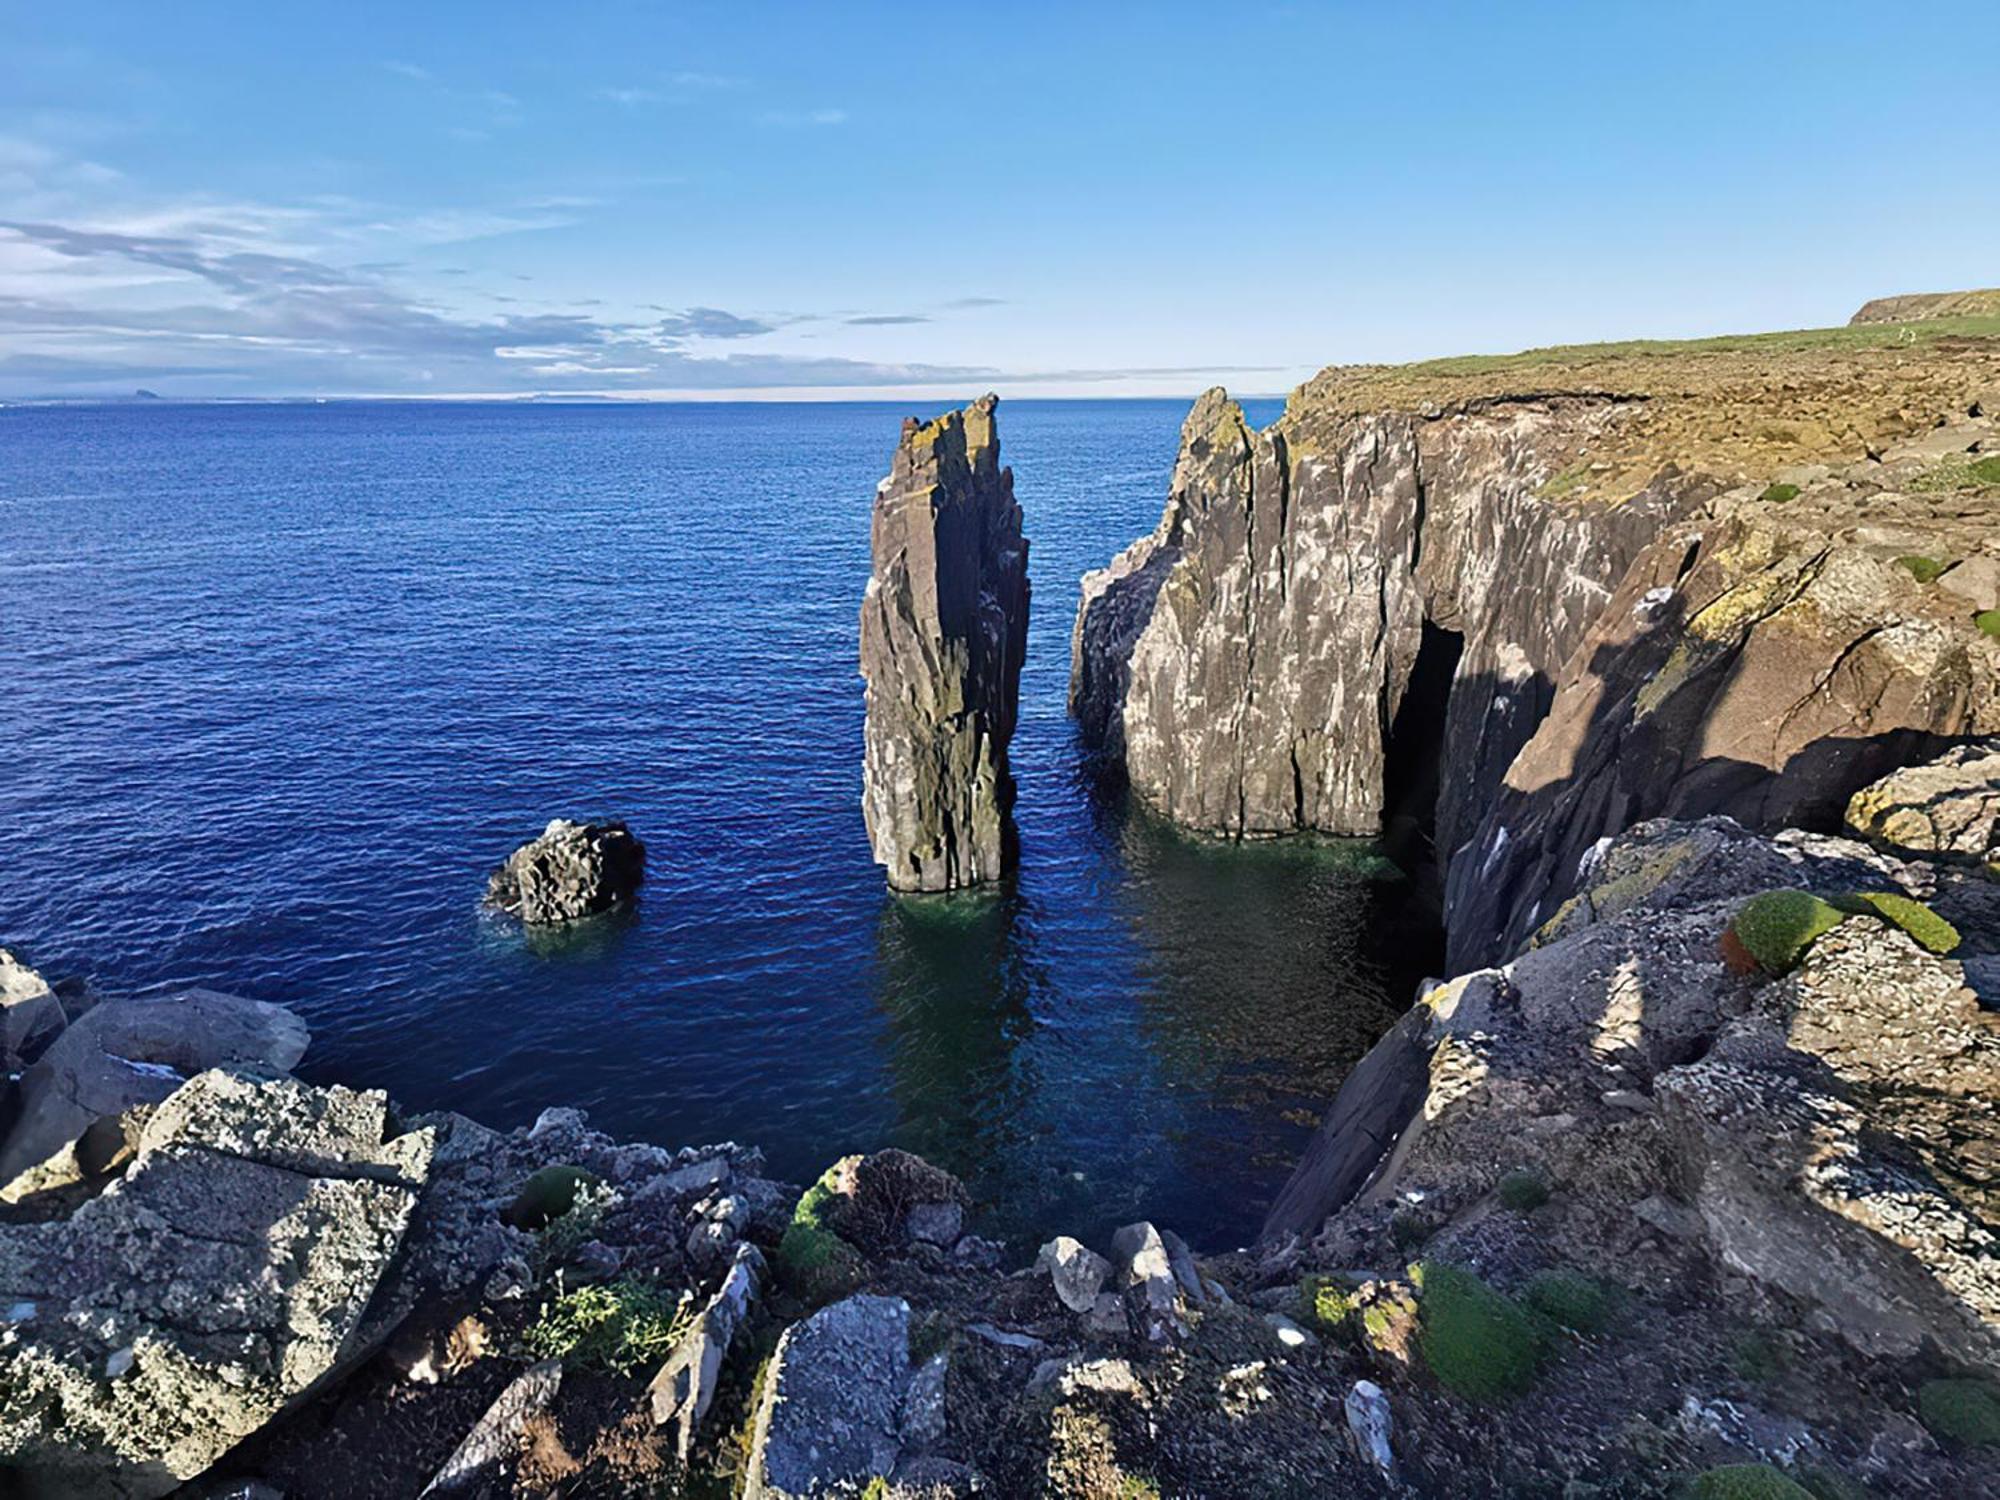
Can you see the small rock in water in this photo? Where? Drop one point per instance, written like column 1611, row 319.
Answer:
column 572, row 870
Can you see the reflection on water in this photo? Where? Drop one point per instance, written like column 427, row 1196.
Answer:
column 1254, row 977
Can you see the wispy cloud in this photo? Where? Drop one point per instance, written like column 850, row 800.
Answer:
column 973, row 302
column 408, row 70
column 885, row 320
column 808, row 119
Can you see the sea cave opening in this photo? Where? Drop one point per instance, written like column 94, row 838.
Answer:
column 1413, row 758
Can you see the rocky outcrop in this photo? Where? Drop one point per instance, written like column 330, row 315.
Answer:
column 1763, row 660
column 31, row 1016
column 178, row 1312
column 571, row 871
column 1948, row 808
column 1826, row 1132
column 125, row 1054
column 1914, row 307
column 1248, row 661
column 944, row 627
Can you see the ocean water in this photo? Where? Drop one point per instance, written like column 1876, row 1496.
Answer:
column 284, row 682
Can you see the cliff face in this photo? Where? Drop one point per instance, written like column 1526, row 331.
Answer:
column 1382, row 598
column 1249, row 659
column 944, row 626
column 1763, row 660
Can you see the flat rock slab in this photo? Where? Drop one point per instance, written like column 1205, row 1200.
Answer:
column 832, row 1410
column 186, row 1306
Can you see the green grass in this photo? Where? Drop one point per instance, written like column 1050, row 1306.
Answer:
column 1925, row 927
column 1478, row 1343
column 1522, row 1190
column 1988, row 621
column 1748, row 1482
column 1854, row 337
column 1778, row 494
column 622, row 1326
column 813, row 1261
column 1986, row 470
column 1777, row 927
column 1966, row 1412
column 1923, row 569
column 1571, row 1300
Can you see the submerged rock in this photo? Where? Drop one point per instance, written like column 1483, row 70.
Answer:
column 944, row 627
column 572, row 870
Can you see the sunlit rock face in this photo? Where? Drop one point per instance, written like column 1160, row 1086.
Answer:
column 944, row 627
column 1249, row 660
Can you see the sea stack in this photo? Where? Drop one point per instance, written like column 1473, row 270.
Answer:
column 944, row 626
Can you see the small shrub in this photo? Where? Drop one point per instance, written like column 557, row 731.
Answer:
column 1777, row 927
column 621, row 1326
column 1409, row 1228
column 1522, row 1190
column 548, row 1195
column 1760, row 1356
column 1923, row 569
column 1965, row 1411
column 1987, row 470
column 1778, row 494
column 1572, row 1300
column 1748, row 1482
column 1925, row 927
column 1325, row 1301
column 1477, row 1342
column 1988, row 621
column 816, row 1264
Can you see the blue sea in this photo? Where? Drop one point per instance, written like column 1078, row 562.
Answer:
column 284, row 682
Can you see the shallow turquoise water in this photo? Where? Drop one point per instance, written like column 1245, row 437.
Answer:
column 284, row 682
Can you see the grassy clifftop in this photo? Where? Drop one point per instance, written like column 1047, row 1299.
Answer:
column 1739, row 406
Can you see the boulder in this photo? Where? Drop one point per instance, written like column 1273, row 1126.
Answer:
column 31, row 1015
column 1946, row 808
column 122, row 1054
column 216, row 1285
column 887, row 1200
column 944, row 627
column 1144, row 1271
column 830, row 1419
column 573, row 870
column 1077, row 1272
column 495, row 1439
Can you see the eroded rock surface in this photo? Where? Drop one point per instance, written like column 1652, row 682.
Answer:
column 571, row 870
column 1764, row 661
column 1949, row 807
column 123, row 1054
column 944, row 627
column 833, row 1402
column 178, row 1312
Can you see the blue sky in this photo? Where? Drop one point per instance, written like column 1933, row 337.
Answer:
column 843, row 199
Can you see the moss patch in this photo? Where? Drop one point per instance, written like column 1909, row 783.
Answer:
column 548, row 1195
column 1777, row 927
column 1748, row 1482
column 1326, row 1300
column 1923, row 569
column 1571, row 1300
column 1988, row 621
column 1478, row 1343
column 1925, row 927
column 1964, row 1411
column 1986, row 470
column 1778, row 494
column 1522, row 1190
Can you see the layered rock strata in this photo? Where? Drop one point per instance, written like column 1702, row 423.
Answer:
column 944, row 627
